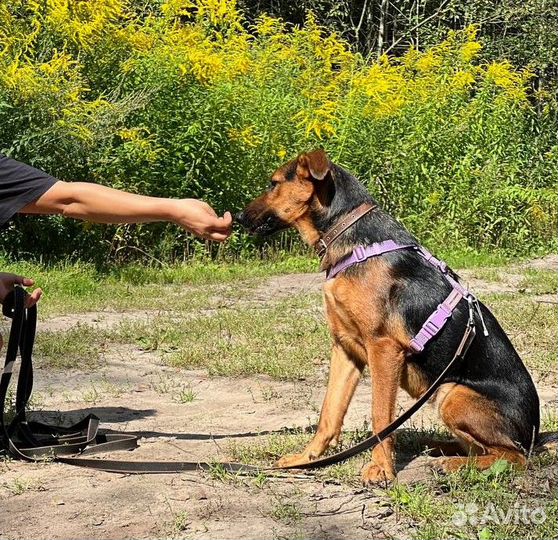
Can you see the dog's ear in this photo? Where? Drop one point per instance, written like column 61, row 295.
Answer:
column 314, row 164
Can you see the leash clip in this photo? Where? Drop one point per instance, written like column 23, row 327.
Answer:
column 475, row 306
column 478, row 308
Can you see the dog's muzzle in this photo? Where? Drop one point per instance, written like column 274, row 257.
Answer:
column 262, row 226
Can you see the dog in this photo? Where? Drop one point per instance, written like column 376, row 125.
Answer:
column 488, row 401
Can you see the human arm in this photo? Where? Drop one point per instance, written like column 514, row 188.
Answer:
column 101, row 204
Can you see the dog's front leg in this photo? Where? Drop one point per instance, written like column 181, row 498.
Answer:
column 344, row 373
column 385, row 361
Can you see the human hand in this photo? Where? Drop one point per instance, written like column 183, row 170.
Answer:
column 7, row 282
column 200, row 219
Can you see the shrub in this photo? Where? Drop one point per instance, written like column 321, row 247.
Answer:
column 184, row 98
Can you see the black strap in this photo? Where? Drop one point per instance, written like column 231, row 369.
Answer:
column 35, row 441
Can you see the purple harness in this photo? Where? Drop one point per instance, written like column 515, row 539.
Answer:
column 443, row 312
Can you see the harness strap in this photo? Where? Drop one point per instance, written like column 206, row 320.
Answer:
column 443, row 312
column 436, row 321
column 362, row 253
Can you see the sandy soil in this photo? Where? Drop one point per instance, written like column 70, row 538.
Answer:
column 135, row 392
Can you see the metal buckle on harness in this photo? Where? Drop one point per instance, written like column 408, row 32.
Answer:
column 475, row 306
column 320, row 247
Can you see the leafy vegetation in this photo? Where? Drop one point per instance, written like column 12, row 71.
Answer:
column 190, row 98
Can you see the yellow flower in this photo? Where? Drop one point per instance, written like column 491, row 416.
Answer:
column 247, row 136
column 469, row 50
column 538, row 213
column 131, row 134
column 462, row 79
column 267, row 26
column 175, row 8
column 428, row 62
column 500, row 73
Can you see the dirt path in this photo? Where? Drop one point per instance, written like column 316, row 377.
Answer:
column 141, row 396
column 134, row 391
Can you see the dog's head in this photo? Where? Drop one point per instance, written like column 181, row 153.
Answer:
column 297, row 191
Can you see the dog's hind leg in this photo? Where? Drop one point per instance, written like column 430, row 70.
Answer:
column 479, row 426
column 344, row 373
column 386, row 360
column 438, row 448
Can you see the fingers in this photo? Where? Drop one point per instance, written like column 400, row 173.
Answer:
column 217, row 237
column 227, row 218
column 33, row 298
column 8, row 282
column 221, row 228
column 13, row 279
column 223, row 224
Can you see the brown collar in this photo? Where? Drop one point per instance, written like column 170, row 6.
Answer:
column 332, row 234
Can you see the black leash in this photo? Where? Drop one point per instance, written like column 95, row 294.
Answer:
column 36, row 441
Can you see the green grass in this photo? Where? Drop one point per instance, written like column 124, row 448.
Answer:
column 19, row 486
column 281, row 340
column 537, row 281
column 77, row 287
column 287, row 512
column 80, row 347
column 481, row 504
column 471, row 258
column 549, row 420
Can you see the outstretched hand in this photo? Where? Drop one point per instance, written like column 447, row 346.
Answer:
column 200, row 219
column 7, row 282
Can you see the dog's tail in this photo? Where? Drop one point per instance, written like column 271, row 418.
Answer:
column 547, row 442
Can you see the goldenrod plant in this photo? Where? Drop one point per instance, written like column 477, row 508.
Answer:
column 187, row 98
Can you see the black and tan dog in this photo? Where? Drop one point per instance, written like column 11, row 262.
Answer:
column 488, row 401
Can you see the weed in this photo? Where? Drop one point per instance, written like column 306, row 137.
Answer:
column 18, row 486
column 80, row 347
column 181, row 521
column 186, row 395
column 286, row 512
column 91, row 395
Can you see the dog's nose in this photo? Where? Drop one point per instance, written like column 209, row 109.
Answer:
column 240, row 217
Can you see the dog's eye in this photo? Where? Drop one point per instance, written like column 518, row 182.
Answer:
column 273, row 184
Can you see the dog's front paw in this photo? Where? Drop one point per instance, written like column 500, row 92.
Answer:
column 373, row 474
column 292, row 460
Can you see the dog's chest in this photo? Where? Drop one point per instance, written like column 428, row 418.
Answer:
column 351, row 313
